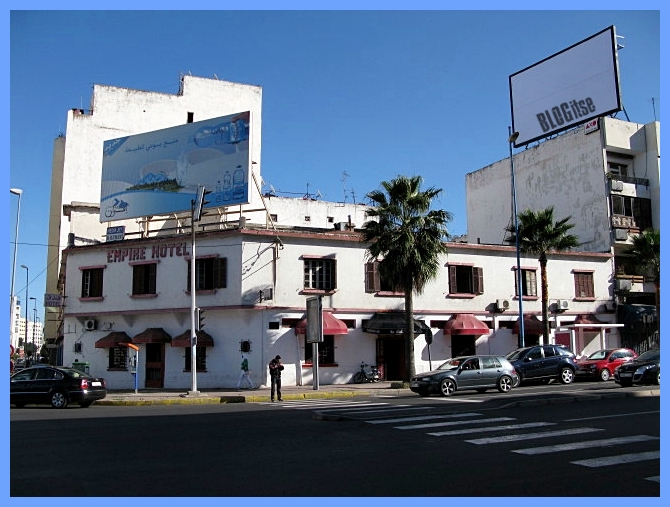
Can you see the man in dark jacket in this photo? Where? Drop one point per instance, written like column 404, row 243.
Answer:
column 275, row 378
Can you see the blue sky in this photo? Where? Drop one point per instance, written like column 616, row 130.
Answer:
column 350, row 98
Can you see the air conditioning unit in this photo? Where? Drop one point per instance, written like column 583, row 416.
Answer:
column 616, row 185
column 502, row 305
column 621, row 234
column 90, row 324
column 562, row 305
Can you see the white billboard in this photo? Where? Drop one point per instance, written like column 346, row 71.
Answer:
column 567, row 89
column 157, row 173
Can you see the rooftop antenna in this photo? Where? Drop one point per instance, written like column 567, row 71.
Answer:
column 345, row 175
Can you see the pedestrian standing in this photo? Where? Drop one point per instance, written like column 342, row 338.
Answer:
column 275, row 378
column 244, row 373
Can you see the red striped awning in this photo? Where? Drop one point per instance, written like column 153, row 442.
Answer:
column 531, row 325
column 114, row 339
column 331, row 325
column 465, row 323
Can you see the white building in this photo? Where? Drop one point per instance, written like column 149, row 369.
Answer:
column 256, row 266
column 254, row 281
column 115, row 112
column 605, row 175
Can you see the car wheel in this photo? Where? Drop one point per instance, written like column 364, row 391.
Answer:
column 657, row 381
column 567, row 375
column 447, row 387
column 358, row 378
column 58, row 399
column 505, row 384
column 604, row 374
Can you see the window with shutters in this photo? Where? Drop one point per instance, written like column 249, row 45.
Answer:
column 91, row 282
column 210, row 273
column 374, row 282
column 465, row 280
column 319, row 274
column 528, row 283
column 584, row 285
column 144, row 279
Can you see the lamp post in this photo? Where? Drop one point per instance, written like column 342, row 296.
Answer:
column 34, row 321
column 37, row 331
column 25, row 329
column 15, row 191
column 513, row 137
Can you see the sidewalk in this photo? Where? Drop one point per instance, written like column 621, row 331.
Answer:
column 232, row 395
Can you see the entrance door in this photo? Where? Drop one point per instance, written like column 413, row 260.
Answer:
column 391, row 357
column 154, row 370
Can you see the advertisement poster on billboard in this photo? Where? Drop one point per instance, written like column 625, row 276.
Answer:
column 158, row 172
column 567, row 89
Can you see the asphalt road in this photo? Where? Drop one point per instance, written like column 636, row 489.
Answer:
column 377, row 447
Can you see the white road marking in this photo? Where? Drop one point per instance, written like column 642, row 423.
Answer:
column 531, row 436
column 487, row 429
column 422, row 418
column 618, row 460
column 453, row 423
column 587, row 444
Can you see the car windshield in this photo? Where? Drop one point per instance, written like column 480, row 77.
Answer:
column 600, row 354
column 515, row 354
column 452, row 364
column 650, row 355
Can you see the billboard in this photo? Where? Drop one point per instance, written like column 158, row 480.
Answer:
column 157, row 173
column 567, row 89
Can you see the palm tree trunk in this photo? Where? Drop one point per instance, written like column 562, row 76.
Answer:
column 409, row 333
column 545, row 299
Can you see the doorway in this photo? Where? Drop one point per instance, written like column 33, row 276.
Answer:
column 155, row 365
column 391, row 357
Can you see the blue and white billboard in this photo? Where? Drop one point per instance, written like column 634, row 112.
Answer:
column 158, row 173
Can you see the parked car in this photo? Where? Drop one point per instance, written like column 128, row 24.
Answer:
column 55, row 386
column 602, row 363
column 644, row 369
column 544, row 363
column 467, row 372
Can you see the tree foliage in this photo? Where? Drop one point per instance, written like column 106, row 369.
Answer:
column 407, row 238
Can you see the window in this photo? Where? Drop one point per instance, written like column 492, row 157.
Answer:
column 465, row 280
column 630, row 211
column 144, row 279
column 491, row 362
column 617, row 169
column 91, row 283
column 210, row 273
column 584, row 284
column 528, row 282
column 118, row 358
column 200, row 358
column 319, row 274
column 326, row 350
column 374, row 282
column 549, row 351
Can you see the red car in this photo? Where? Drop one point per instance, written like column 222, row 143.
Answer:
column 602, row 363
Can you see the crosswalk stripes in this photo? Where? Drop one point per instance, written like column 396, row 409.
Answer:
column 516, row 432
column 588, row 444
column 311, row 404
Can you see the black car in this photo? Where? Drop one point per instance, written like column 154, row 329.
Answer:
column 55, row 386
column 544, row 363
column 467, row 372
column 645, row 369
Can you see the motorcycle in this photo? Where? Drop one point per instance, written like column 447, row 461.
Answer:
column 367, row 373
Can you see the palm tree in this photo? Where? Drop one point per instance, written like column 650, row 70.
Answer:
column 646, row 253
column 538, row 235
column 407, row 238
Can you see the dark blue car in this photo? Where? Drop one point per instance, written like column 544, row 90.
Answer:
column 544, row 363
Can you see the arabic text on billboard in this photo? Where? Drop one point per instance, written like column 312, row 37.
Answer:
column 157, row 173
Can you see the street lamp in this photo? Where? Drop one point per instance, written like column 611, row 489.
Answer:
column 513, row 137
column 15, row 191
column 34, row 320
column 25, row 329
